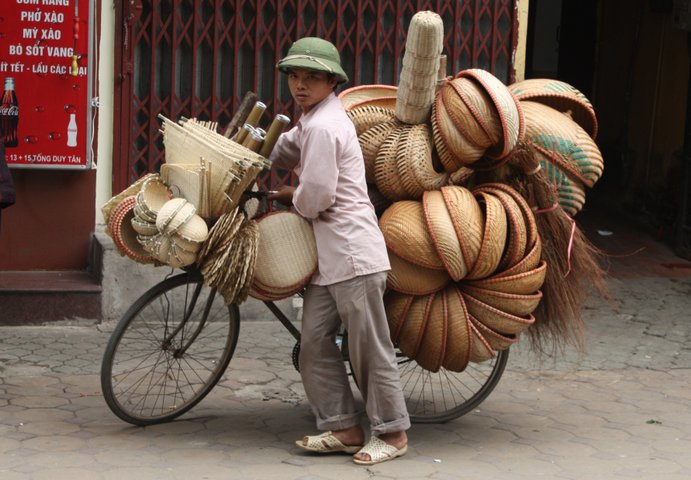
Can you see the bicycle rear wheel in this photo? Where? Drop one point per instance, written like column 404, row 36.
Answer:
column 168, row 351
column 444, row 395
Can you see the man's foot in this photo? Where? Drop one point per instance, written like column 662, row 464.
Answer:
column 348, row 440
column 386, row 446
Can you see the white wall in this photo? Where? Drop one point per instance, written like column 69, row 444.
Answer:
column 104, row 91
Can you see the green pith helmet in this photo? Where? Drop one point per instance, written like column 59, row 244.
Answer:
column 314, row 53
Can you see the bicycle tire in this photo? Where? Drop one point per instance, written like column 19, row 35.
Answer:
column 432, row 400
column 147, row 379
column 445, row 395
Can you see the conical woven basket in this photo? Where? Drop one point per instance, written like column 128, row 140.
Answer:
column 496, row 319
column 468, row 220
column 123, row 234
column 563, row 142
column 508, row 107
column 368, row 95
column 527, row 212
column 174, row 214
column 151, row 197
column 142, row 227
column 432, row 349
column 418, row 79
column 529, row 262
column 515, row 304
column 560, row 96
column 405, row 232
column 385, row 166
column 397, row 306
column 371, row 140
column 473, row 112
column 493, row 237
column 516, row 235
column 414, row 162
column 480, row 350
column 132, row 190
column 521, row 283
column 413, row 328
column 441, row 228
column 448, row 122
column 368, row 116
column 495, row 340
column 411, row 279
column 570, row 192
column 458, row 346
column 447, row 157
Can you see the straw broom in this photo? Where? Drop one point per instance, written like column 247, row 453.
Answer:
column 574, row 263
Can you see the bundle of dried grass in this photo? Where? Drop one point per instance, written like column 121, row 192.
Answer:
column 575, row 264
column 228, row 257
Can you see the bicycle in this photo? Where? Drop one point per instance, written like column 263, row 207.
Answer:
column 174, row 344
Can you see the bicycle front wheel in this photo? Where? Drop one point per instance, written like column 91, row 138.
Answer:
column 168, row 351
column 436, row 397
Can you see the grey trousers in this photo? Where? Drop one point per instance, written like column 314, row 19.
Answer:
column 359, row 305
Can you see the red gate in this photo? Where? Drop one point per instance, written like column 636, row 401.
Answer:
column 197, row 58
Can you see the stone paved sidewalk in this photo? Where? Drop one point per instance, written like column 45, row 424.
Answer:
column 621, row 411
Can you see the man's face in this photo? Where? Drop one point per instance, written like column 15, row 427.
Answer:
column 309, row 87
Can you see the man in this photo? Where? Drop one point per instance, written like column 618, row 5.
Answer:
column 349, row 284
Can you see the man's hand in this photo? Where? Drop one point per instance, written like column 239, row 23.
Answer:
column 283, row 196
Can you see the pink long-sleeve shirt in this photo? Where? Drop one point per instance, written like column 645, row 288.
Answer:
column 324, row 152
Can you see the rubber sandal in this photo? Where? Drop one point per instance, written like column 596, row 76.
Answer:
column 380, row 451
column 326, row 443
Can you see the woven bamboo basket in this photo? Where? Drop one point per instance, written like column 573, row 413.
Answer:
column 560, row 96
column 458, row 346
column 132, row 190
column 368, row 116
column 418, row 79
column 123, row 234
column 415, row 164
column 408, row 278
column 493, row 238
column 562, row 142
column 495, row 340
column 286, row 254
column 468, row 220
column 495, row 319
column 386, row 174
column 473, row 112
column 371, row 140
column 508, row 108
column 413, row 328
column 434, row 340
column 522, row 283
column 441, row 228
column 406, row 235
column 516, row 234
column 481, row 350
column 397, row 306
column 515, row 304
column 453, row 129
column 368, row 95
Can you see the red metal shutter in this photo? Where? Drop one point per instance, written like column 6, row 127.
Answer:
column 197, row 58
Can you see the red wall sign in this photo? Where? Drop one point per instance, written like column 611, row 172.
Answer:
column 45, row 116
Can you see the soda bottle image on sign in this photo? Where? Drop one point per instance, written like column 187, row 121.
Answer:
column 9, row 114
column 72, row 131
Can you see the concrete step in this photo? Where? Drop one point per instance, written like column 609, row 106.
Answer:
column 38, row 297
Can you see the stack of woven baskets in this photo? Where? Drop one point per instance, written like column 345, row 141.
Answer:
column 467, row 265
column 150, row 226
column 561, row 128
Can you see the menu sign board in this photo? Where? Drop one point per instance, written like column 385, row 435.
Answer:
column 45, row 79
